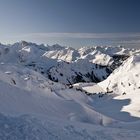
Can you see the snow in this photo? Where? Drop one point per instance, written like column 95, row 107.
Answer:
column 29, row 128
column 33, row 107
column 89, row 87
column 125, row 78
column 124, row 83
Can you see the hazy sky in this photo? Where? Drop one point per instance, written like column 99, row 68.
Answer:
column 71, row 22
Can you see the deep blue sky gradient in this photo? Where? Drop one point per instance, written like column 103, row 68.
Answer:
column 19, row 18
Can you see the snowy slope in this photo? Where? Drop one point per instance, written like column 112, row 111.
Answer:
column 29, row 128
column 125, row 82
column 123, row 86
column 37, row 108
column 125, row 78
column 61, row 53
column 24, row 91
column 33, row 107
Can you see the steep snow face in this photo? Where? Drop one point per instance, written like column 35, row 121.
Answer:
column 98, row 57
column 104, row 55
column 79, row 71
column 65, row 54
column 61, row 53
column 95, row 55
column 125, row 83
column 125, row 79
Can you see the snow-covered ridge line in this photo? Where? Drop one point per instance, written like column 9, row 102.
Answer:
column 108, row 50
column 83, row 64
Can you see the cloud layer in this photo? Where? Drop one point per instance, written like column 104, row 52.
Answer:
column 78, row 39
column 82, row 35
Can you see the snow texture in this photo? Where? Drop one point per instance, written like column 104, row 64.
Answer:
column 33, row 107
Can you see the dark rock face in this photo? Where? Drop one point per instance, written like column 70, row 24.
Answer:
column 96, row 73
column 118, row 60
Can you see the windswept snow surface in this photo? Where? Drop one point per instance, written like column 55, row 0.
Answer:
column 32, row 107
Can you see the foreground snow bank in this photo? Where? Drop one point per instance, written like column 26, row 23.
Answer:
column 29, row 128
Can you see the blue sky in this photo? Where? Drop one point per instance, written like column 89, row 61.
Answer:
column 73, row 23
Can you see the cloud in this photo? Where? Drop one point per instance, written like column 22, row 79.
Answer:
column 135, row 41
column 81, row 35
column 72, row 39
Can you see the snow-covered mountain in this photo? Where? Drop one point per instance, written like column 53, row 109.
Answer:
column 92, row 64
column 37, row 104
column 125, row 82
column 125, row 79
column 79, row 71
